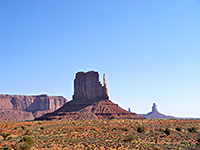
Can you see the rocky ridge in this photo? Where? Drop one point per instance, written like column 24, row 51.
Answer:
column 90, row 101
column 21, row 107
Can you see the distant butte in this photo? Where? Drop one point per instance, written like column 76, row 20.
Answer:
column 154, row 114
column 23, row 107
column 90, row 101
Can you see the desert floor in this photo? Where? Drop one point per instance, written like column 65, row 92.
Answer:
column 103, row 134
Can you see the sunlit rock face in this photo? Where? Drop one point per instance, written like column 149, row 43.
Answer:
column 87, row 86
column 22, row 107
column 90, row 101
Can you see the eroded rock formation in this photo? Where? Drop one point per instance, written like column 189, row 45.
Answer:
column 90, row 101
column 154, row 114
column 19, row 107
column 87, row 86
column 154, row 108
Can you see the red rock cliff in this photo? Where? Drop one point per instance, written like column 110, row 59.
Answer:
column 19, row 107
column 87, row 86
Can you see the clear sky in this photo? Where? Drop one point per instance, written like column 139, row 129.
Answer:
column 148, row 49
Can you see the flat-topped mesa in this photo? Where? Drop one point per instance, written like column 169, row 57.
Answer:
column 88, row 87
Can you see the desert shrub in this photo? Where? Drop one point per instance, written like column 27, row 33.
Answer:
column 114, row 129
column 23, row 127
column 26, row 143
column 128, row 138
column 15, row 128
column 23, row 146
column 192, row 130
column 125, row 129
column 28, row 132
column 28, row 140
column 7, row 148
column 183, row 142
column 41, row 128
column 140, row 129
column 5, row 135
column 178, row 129
column 161, row 130
column 167, row 131
column 198, row 142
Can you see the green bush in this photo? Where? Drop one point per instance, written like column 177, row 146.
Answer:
column 178, row 129
column 128, row 138
column 125, row 129
column 161, row 130
column 26, row 143
column 198, row 142
column 192, row 130
column 114, row 129
column 5, row 135
column 167, row 131
column 23, row 127
column 7, row 148
column 140, row 129
column 23, row 146
column 183, row 142
column 28, row 132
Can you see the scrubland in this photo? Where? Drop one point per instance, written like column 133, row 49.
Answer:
column 152, row 134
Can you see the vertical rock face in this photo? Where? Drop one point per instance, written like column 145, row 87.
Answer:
column 20, row 107
column 88, row 87
column 154, row 108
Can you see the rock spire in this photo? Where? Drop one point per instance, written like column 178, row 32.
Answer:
column 154, row 108
column 154, row 114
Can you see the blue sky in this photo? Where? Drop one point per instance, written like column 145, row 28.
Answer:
column 148, row 49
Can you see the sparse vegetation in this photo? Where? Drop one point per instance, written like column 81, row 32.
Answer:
column 23, row 127
column 28, row 132
column 7, row 148
column 26, row 143
column 178, row 129
column 128, row 138
column 167, row 131
column 192, row 130
column 140, row 129
column 101, row 134
column 5, row 135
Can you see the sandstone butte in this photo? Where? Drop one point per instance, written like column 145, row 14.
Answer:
column 90, row 101
column 21, row 108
